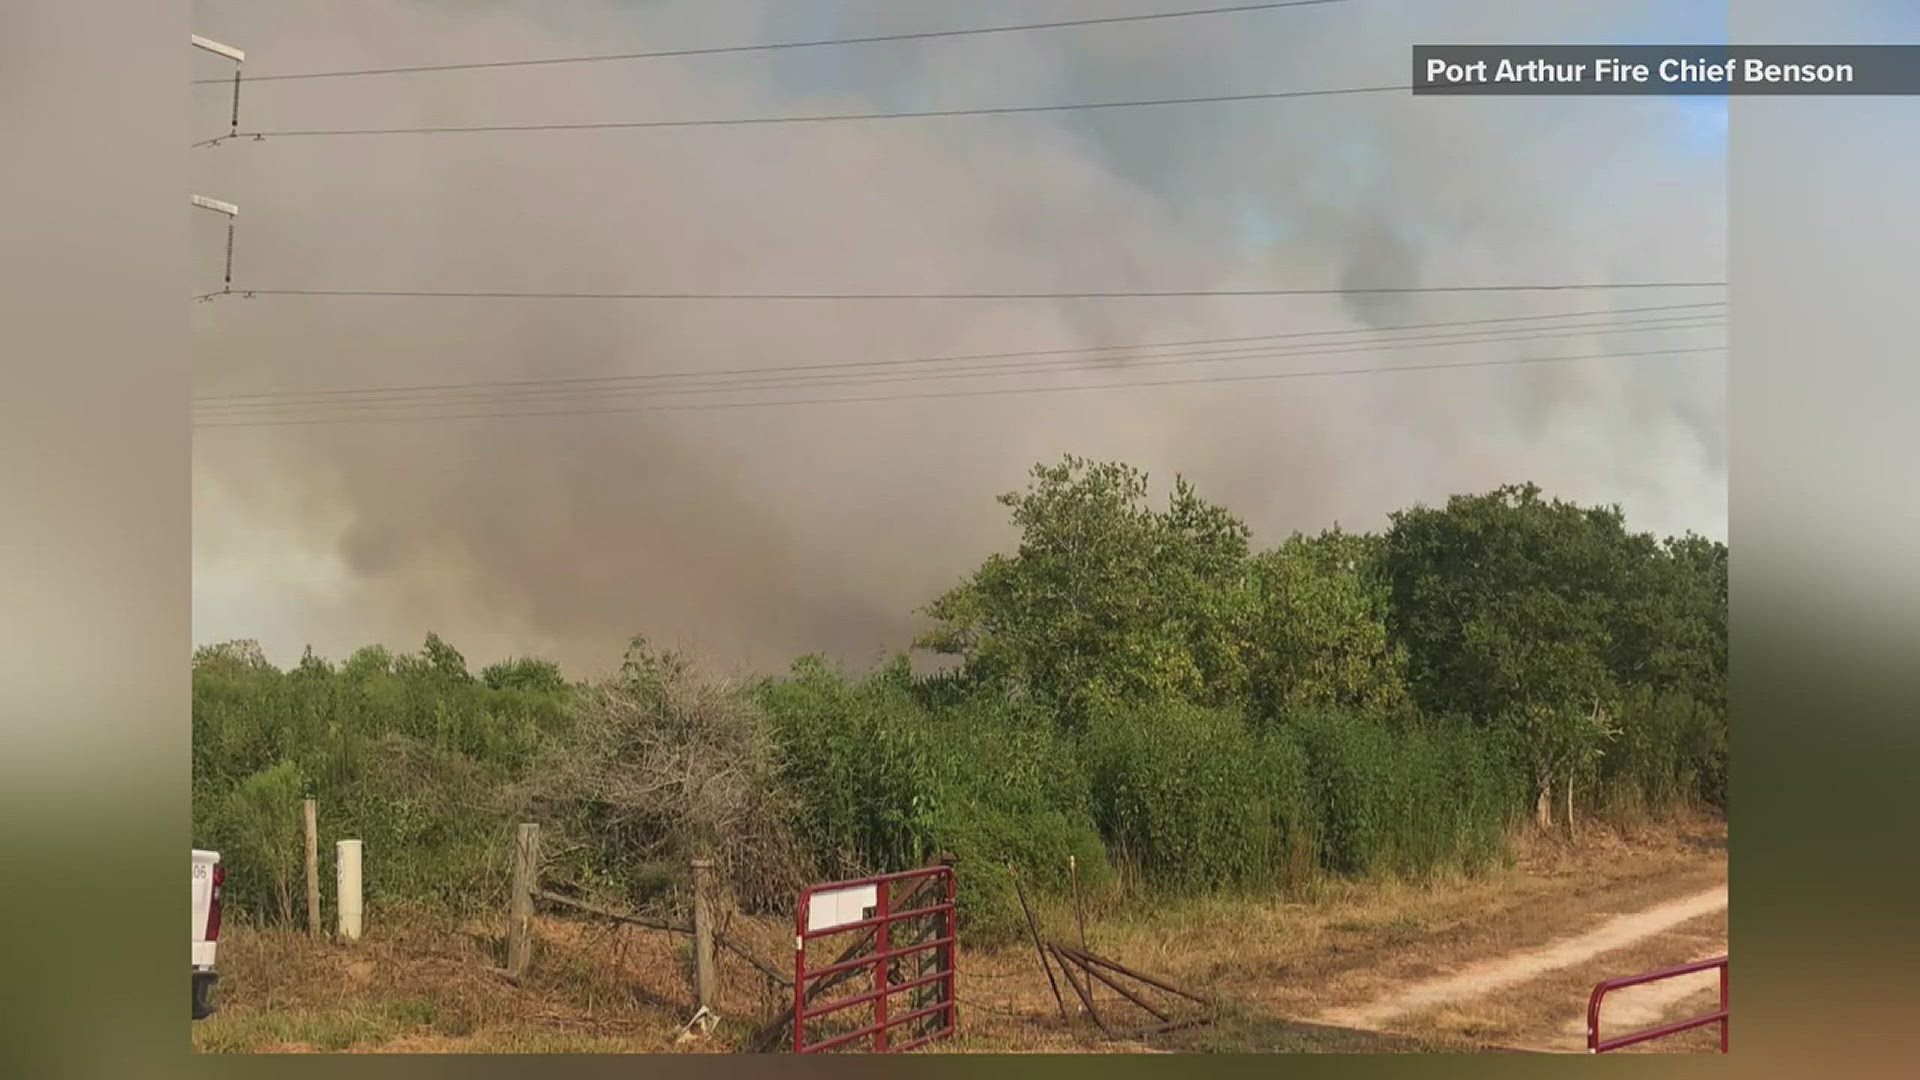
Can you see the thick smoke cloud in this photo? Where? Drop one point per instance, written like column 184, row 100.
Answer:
column 756, row 534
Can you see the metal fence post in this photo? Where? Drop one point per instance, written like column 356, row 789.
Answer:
column 1723, row 1008
column 882, row 951
column 800, row 973
column 943, row 957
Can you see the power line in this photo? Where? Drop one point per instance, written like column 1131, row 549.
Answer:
column 589, row 380
column 819, row 118
column 1065, row 365
column 924, row 35
column 712, row 406
column 1117, row 294
column 566, row 395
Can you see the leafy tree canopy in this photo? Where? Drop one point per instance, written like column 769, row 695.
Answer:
column 1107, row 599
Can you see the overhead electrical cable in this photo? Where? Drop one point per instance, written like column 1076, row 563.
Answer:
column 775, row 369
column 1115, row 294
column 815, row 118
column 991, row 392
column 871, row 39
column 590, row 380
column 1071, row 364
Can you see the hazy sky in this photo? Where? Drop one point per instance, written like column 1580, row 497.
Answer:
column 756, row 533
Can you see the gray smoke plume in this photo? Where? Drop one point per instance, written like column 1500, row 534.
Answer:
column 755, row 534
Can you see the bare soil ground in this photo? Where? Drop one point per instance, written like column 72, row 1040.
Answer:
column 1548, row 1012
column 1352, row 967
column 1486, row 976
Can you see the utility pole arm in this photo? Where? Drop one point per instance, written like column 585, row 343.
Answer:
column 216, row 206
column 228, row 51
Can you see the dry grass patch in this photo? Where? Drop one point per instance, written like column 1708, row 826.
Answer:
column 1271, row 962
column 417, row 984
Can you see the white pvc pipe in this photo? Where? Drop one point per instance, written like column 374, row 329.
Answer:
column 349, row 900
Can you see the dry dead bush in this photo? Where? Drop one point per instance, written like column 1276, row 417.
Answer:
column 667, row 763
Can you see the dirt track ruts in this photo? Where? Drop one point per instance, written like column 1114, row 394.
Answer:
column 1489, row 975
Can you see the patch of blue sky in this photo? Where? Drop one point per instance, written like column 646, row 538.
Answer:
column 1259, row 229
column 1260, row 225
column 1697, row 123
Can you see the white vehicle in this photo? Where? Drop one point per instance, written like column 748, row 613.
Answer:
column 208, row 875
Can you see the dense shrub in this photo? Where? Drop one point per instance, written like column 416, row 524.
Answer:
column 985, row 841
column 1670, row 749
column 258, row 821
column 1406, row 798
column 882, row 783
column 408, row 753
column 434, row 826
column 858, row 757
column 1186, row 796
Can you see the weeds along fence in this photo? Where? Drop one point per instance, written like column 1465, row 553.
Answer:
column 818, row 774
column 707, row 933
column 703, row 929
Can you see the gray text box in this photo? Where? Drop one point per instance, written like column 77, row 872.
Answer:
column 1666, row 69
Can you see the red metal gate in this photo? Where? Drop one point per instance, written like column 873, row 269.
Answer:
column 1597, row 1045
column 916, row 905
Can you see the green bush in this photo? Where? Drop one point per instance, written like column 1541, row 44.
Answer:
column 858, row 756
column 434, row 828
column 1187, row 796
column 984, row 841
column 258, row 830
column 1407, row 798
column 884, row 784
column 1671, row 750
column 409, row 754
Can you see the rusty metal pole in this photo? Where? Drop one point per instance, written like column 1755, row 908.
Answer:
column 1086, row 995
column 1723, row 1008
column 943, row 957
column 799, row 1020
column 883, row 955
column 1040, row 950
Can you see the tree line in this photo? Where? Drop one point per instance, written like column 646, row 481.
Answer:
column 1134, row 685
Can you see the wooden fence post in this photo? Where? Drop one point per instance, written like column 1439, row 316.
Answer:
column 526, row 880
column 1079, row 910
column 311, row 814
column 703, row 966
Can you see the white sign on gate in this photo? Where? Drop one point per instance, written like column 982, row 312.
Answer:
column 838, row 907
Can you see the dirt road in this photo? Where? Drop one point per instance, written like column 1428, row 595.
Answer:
column 1490, row 975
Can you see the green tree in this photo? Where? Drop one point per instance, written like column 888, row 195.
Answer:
column 439, row 660
column 1318, row 630
column 1106, row 600
column 1670, row 647
column 1507, row 605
